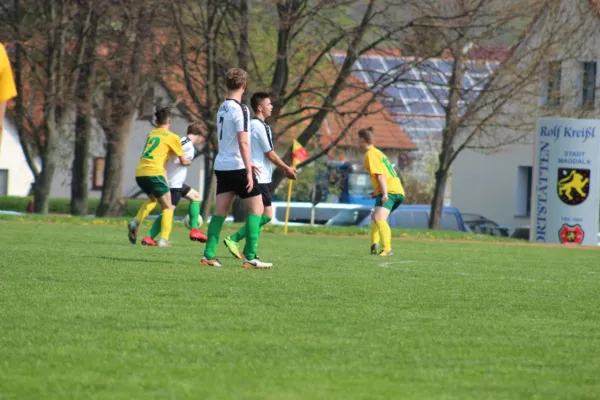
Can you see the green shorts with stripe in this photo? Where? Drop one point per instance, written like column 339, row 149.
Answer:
column 156, row 186
column 394, row 201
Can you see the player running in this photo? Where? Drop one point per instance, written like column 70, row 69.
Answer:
column 150, row 175
column 262, row 154
column 234, row 173
column 176, row 173
column 389, row 193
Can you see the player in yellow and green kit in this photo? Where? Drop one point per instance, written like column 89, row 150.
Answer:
column 388, row 191
column 150, row 175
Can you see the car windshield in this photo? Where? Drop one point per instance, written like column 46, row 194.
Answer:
column 359, row 183
column 348, row 217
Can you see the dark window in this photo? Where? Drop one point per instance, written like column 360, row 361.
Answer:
column 589, row 84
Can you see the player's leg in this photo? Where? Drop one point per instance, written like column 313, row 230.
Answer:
column 375, row 238
column 224, row 202
column 163, row 195
column 254, row 204
column 145, row 184
column 380, row 215
column 232, row 242
column 193, row 212
column 155, row 230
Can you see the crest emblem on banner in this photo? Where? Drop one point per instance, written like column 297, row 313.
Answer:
column 571, row 234
column 573, row 185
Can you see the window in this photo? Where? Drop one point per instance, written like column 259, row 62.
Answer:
column 410, row 219
column 449, row 222
column 589, row 85
column 553, row 82
column 98, row 173
column 3, row 182
column 523, row 191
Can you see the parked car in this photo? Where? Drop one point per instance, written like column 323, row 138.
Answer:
column 350, row 217
column 416, row 216
column 480, row 224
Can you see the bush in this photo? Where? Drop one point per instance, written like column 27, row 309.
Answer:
column 62, row 206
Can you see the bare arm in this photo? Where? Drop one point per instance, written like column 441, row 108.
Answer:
column 382, row 187
column 244, row 143
column 274, row 158
column 185, row 161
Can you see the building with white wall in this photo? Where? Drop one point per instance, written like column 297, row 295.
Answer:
column 15, row 175
column 497, row 183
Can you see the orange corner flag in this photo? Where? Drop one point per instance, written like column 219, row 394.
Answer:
column 299, row 153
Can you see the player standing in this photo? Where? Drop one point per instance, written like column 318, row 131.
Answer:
column 234, row 173
column 389, row 193
column 176, row 173
column 262, row 154
column 150, row 175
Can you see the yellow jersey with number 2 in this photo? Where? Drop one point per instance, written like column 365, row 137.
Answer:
column 160, row 144
column 376, row 163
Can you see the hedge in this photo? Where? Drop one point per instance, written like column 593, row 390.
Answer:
column 62, row 206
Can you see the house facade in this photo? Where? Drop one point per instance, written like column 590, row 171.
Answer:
column 15, row 175
column 498, row 184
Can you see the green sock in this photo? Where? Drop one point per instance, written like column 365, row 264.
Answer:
column 253, row 229
column 241, row 233
column 214, row 230
column 155, row 230
column 194, row 211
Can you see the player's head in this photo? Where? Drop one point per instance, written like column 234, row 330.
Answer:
column 366, row 136
column 163, row 115
column 261, row 103
column 235, row 79
column 195, row 131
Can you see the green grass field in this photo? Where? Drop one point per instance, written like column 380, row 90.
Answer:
column 86, row 315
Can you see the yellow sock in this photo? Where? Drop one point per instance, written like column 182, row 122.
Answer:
column 144, row 211
column 374, row 233
column 166, row 224
column 386, row 235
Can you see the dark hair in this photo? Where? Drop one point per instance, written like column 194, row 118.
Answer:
column 235, row 78
column 367, row 134
column 195, row 128
column 257, row 98
column 162, row 115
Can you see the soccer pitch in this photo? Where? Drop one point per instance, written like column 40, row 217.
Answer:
column 84, row 314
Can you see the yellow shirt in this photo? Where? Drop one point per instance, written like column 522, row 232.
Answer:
column 160, row 144
column 376, row 163
column 7, row 83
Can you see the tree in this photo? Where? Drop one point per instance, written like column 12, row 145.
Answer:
column 48, row 51
column 91, row 12
column 132, row 49
column 484, row 115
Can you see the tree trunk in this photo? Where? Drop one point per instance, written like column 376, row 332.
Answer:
column 42, row 187
column 437, row 204
column 83, row 126
column 448, row 134
column 111, row 202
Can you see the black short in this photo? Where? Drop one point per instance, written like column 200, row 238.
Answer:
column 265, row 192
column 235, row 181
column 178, row 193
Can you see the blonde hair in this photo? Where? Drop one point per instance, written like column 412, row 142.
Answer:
column 235, row 78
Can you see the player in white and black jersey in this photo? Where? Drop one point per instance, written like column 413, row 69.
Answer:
column 176, row 174
column 234, row 173
column 263, row 154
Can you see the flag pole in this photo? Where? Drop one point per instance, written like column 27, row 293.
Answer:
column 287, row 210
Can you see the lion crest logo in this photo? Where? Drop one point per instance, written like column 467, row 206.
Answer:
column 573, row 185
column 571, row 234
